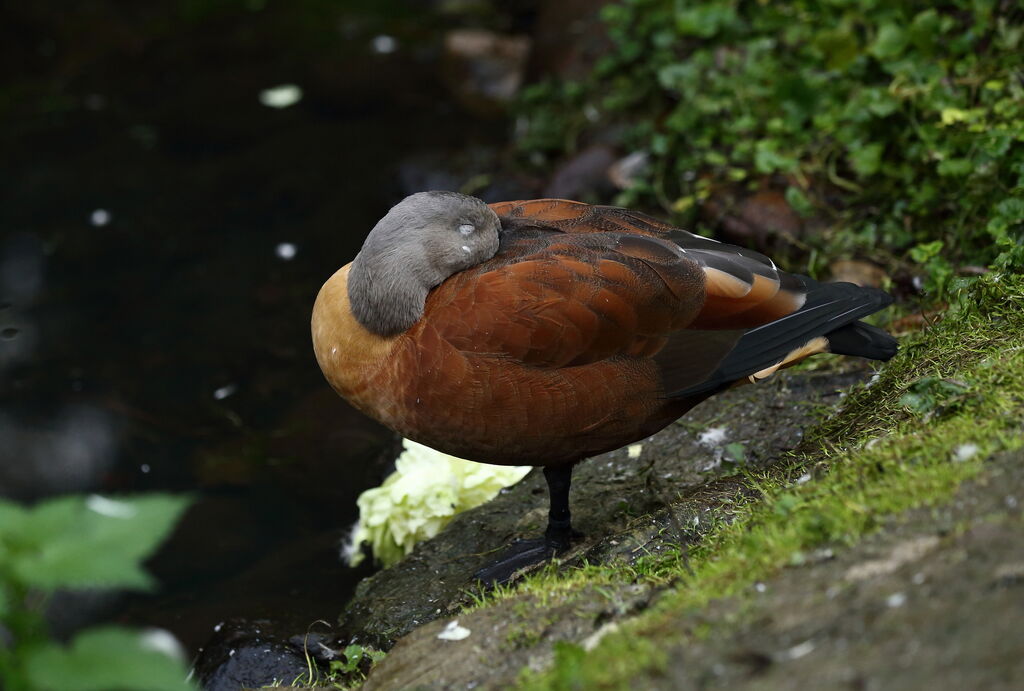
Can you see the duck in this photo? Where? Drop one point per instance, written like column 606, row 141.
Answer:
column 544, row 332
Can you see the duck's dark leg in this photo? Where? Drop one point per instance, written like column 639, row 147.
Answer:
column 557, row 536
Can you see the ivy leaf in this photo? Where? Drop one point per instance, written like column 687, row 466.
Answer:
column 1011, row 209
column 925, row 30
column 767, row 158
column 867, row 159
column 956, row 167
column 705, row 20
column 878, row 101
column 78, row 542
column 799, row 201
column 737, row 452
column 929, row 393
column 105, row 659
column 889, row 42
column 926, row 251
column 839, row 46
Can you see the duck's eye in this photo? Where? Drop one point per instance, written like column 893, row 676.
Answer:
column 467, row 228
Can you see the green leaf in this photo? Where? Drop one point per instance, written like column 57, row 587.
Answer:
column 866, row 160
column 925, row 251
column 105, row 659
column 928, row 393
column 1011, row 209
column 767, row 159
column 889, row 42
column 798, row 201
column 878, row 102
column 737, row 452
column 956, row 167
column 11, row 517
column 353, row 656
column 93, row 541
column 925, row 30
column 839, row 46
column 705, row 20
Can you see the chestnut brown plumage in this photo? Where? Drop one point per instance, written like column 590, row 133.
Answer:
column 544, row 332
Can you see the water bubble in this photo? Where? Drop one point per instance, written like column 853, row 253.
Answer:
column 95, row 102
column 144, row 468
column 286, row 251
column 384, row 44
column 99, row 218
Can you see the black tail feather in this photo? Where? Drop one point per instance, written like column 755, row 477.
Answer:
column 831, row 310
column 862, row 340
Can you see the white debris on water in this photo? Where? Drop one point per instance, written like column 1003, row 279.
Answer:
column 99, row 218
column 162, row 641
column 634, row 450
column 281, row 96
column 384, row 44
column 223, row 392
column 286, row 251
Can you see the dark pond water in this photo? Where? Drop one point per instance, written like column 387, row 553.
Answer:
column 162, row 237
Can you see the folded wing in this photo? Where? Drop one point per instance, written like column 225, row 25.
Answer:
column 574, row 284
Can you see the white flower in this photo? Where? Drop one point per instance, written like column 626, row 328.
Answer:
column 427, row 489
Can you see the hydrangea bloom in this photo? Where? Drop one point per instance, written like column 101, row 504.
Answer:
column 427, row 489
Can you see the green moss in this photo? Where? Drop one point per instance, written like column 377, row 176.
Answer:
column 882, row 454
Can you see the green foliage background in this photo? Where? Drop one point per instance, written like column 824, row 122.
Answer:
column 900, row 123
column 75, row 543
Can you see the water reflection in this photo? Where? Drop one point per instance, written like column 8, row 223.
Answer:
column 22, row 268
column 22, row 271
column 170, row 234
column 70, row 453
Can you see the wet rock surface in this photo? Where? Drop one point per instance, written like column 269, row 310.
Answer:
column 501, row 640
column 619, row 502
column 929, row 602
column 926, row 602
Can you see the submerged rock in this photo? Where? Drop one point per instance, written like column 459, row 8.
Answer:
column 249, row 654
